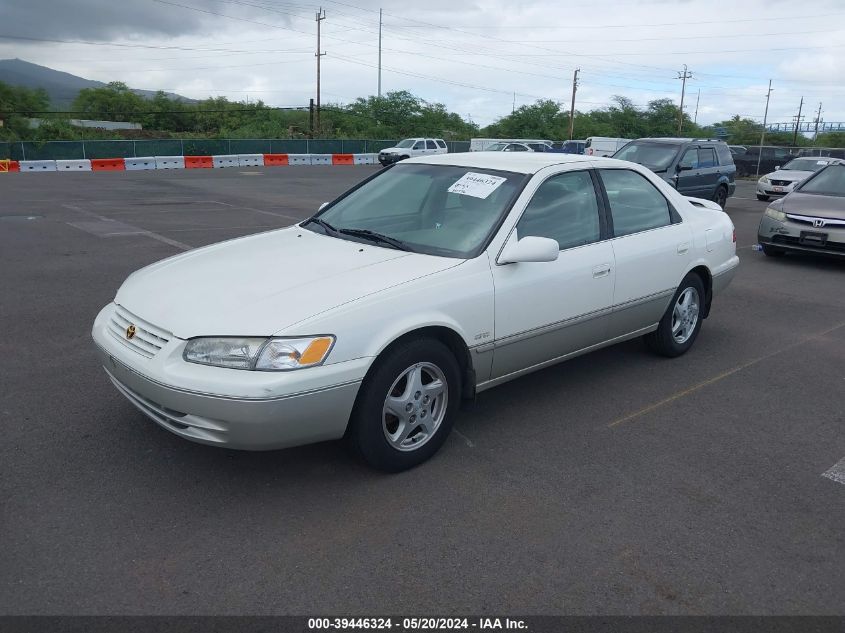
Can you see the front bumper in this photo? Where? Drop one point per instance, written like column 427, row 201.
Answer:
column 793, row 236
column 388, row 159
column 768, row 189
column 286, row 410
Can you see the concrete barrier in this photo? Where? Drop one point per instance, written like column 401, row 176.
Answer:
column 321, row 159
column 364, row 159
column 275, row 160
column 228, row 160
column 142, row 162
column 107, row 164
column 343, row 159
column 73, row 165
column 170, row 162
column 37, row 165
column 251, row 160
column 299, row 159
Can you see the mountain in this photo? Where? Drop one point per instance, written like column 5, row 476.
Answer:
column 62, row 87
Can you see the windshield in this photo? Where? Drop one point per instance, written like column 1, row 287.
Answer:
column 806, row 164
column 830, row 181
column 655, row 156
column 497, row 147
column 408, row 142
column 433, row 209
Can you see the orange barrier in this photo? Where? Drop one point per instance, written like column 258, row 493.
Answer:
column 14, row 165
column 199, row 162
column 4, row 165
column 274, row 160
column 343, row 159
column 107, row 164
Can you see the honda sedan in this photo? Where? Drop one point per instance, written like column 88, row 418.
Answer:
column 429, row 282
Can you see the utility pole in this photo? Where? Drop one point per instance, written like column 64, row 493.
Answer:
column 513, row 107
column 763, row 134
column 379, row 53
column 572, row 107
column 321, row 15
column 797, row 123
column 697, row 99
column 818, row 120
column 683, row 76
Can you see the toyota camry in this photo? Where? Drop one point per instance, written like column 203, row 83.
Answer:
column 427, row 283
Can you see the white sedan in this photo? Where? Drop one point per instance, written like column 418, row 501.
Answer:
column 429, row 282
column 784, row 179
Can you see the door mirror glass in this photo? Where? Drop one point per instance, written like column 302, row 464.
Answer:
column 530, row 249
column 777, row 167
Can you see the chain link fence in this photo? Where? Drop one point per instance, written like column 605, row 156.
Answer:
column 70, row 150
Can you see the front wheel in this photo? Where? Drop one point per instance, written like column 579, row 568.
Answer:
column 406, row 406
column 681, row 322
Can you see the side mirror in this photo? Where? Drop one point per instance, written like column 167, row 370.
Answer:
column 322, row 206
column 530, row 249
column 684, row 167
column 777, row 167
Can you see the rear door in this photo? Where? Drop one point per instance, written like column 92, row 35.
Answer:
column 430, row 146
column 708, row 166
column 651, row 247
column 545, row 310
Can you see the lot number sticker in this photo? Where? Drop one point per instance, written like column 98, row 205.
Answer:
column 476, row 185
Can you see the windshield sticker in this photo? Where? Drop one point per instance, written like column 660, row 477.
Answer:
column 821, row 162
column 476, row 185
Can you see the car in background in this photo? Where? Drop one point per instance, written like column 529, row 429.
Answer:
column 769, row 158
column 810, row 219
column 699, row 168
column 738, row 150
column 481, row 144
column 573, row 147
column 603, row 145
column 432, row 280
column 784, row 179
column 410, row 148
column 508, row 147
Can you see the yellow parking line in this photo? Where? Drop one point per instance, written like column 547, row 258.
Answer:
column 719, row 377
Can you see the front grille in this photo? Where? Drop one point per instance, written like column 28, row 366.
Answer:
column 805, row 219
column 147, row 340
column 781, row 183
column 789, row 240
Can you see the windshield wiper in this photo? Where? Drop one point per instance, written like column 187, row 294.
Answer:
column 376, row 237
column 328, row 228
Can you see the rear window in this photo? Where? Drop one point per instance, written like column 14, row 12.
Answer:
column 441, row 144
column 724, row 154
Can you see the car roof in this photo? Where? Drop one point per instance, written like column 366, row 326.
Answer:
column 519, row 162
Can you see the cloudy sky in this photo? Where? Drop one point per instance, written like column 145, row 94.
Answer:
column 478, row 57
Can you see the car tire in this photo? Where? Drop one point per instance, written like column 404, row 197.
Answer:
column 720, row 197
column 762, row 198
column 773, row 251
column 388, row 441
column 681, row 322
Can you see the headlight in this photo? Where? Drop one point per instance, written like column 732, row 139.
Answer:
column 764, row 180
column 261, row 354
column 780, row 216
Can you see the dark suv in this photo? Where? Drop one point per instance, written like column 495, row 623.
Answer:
column 701, row 168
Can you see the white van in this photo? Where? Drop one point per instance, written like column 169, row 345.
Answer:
column 604, row 145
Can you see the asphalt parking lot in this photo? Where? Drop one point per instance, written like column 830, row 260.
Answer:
column 616, row 483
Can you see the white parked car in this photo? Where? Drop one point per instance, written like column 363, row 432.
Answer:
column 427, row 283
column 604, row 145
column 483, row 144
column 508, row 147
column 784, row 179
column 411, row 148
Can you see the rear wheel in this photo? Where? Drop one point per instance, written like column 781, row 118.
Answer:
column 406, row 406
column 762, row 197
column 721, row 196
column 681, row 322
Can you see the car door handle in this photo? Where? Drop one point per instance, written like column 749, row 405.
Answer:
column 602, row 270
column 683, row 247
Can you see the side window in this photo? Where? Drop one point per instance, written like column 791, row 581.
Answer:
column 441, row 144
column 429, row 144
column 706, row 157
column 419, row 145
column 689, row 159
column 635, row 204
column 565, row 209
column 725, row 155
column 516, row 147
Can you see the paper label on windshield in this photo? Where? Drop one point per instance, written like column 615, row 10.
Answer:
column 476, row 185
column 821, row 162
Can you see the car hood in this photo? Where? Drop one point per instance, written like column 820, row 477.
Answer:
column 832, row 207
column 395, row 150
column 789, row 174
column 262, row 284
